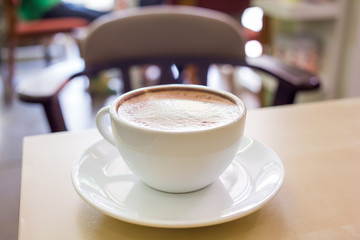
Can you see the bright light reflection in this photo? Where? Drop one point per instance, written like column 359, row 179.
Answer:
column 253, row 48
column 152, row 72
column 249, row 79
column 214, row 77
column 252, row 18
column 269, row 181
column 246, row 143
column 175, row 71
column 103, row 5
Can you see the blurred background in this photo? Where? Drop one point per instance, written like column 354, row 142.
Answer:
column 320, row 36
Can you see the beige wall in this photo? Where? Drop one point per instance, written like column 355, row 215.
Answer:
column 349, row 82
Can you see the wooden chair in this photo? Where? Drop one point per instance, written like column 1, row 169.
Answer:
column 44, row 30
column 164, row 36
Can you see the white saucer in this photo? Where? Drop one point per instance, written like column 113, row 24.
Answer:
column 103, row 180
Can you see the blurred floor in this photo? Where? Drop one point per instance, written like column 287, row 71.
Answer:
column 16, row 121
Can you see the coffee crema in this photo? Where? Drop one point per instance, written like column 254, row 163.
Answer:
column 178, row 110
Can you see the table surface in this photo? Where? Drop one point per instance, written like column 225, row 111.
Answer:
column 319, row 144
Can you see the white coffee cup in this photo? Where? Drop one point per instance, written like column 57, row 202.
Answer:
column 179, row 158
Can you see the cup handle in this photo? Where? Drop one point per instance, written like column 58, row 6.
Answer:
column 103, row 126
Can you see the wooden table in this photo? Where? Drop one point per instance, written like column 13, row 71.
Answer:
column 319, row 144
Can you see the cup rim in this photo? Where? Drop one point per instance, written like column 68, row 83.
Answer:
column 235, row 99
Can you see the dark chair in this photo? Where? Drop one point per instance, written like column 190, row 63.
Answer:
column 162, row 36
column 43, row 29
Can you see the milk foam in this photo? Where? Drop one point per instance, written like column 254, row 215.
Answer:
column 178, row 110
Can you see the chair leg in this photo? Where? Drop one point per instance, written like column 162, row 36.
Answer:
column 7, row 86
column 203, row 73
column 10, row 18
column 285, row 94
column 167, row 76
column 47, row 55
column 125, row 71
column 47, row 52
column 8, row 81
column 54, row 114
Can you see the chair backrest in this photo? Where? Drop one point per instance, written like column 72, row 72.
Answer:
column 163, row 35
column 163, row 31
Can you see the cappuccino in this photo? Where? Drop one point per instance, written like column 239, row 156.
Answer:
column 175, row 138
column 171, row 109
